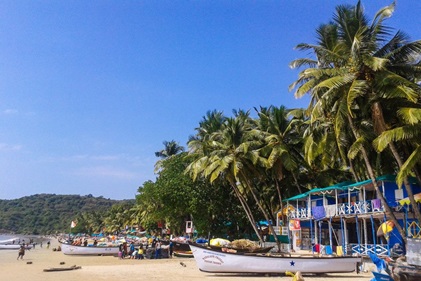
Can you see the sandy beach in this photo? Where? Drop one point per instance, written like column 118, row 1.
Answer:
column 111, row 268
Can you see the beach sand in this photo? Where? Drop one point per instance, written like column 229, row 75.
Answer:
column 111, row 268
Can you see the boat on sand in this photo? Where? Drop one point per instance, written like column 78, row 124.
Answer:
column 14, row 247
column 69, row 249
column 210, row 260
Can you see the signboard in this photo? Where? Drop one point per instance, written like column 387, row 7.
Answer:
column 294, row 225
column 189, row 227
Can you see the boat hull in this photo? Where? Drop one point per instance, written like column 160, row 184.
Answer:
column 68, row 249
column 221, row 262
column 14, row 247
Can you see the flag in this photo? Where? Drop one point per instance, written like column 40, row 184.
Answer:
column 73, row 224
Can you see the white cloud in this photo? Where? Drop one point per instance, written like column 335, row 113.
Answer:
column 10, row 147
column 10, row 111
column 106, row 172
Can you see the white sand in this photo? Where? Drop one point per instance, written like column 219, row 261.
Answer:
column 112, row 269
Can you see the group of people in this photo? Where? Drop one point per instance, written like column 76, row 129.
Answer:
column 23, row 247
column 83, row 242
column 131, row 252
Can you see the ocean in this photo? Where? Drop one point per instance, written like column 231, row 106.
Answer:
column 36, row 238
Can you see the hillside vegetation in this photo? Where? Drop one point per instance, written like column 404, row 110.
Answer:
column 47, row 213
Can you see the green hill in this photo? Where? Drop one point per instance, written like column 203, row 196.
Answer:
column 47, row 213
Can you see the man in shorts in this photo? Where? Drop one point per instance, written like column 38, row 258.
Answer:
column 21, row 252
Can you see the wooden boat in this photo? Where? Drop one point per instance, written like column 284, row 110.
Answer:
column 209, row 260
column 52, row 269
column 187, row 254
column 14, row 247
column 242, row 250
column 69, row 249
column 9, row 241
column 181, row 247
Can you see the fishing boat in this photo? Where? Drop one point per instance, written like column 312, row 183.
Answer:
column 69, row 249
column 14, row 247
column 242, row 250
column 9, row 241
column 181, row 247
column 210, row 260
column 187, row 254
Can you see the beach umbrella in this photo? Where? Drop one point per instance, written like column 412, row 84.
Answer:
column 385, row 228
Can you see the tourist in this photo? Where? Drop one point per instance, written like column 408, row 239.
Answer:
column 48, row 244
column 21, row 252
column 171, row 248
column 158, row 249
column 120, row 252
column 140, row 252
column 132, row 249
column 134, row 255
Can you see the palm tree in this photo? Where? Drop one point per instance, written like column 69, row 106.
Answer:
column 170, row 148
column 216, row 157
column 353, row 68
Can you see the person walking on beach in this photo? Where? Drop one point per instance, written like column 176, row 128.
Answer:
column 21, row 252
column 48, row 244
column 158, row 249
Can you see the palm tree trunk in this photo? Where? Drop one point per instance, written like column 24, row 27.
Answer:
column 272, row 230
column 246, row 209
column 388, row 210
column 280, row 199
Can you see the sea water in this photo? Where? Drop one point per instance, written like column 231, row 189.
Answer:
column 23, row 238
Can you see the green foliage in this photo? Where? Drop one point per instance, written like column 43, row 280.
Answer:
column 48, row 213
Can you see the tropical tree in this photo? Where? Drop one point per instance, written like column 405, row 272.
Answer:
column 352, row 75
column 171, row 148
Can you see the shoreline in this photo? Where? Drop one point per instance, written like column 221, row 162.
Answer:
column 109, row 268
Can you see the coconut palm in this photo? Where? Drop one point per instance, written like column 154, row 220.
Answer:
column 354, row 66
column 217, row 157
column 170, row 148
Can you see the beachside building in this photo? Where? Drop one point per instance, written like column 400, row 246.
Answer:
column 347, row 218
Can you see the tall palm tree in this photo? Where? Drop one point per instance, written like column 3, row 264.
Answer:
column 352, row 67
column 170, row 148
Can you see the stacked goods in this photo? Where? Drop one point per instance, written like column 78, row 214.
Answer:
column 244, row 244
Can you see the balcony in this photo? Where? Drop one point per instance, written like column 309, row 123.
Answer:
column 341, row 209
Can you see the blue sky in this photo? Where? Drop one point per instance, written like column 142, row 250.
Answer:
column 89, row 90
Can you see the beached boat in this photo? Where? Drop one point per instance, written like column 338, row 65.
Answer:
column 209, row 260
column 69, row 249
column 187, row 254
column 181, row 247
column 14, row 247
column 9, row 241
column 242, row 250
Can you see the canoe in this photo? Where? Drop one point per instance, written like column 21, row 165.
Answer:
column 188, row 254
column 68, row 249
column 213, row 261
column 52, row 269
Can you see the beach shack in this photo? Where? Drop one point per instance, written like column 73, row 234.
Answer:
column 349, row 218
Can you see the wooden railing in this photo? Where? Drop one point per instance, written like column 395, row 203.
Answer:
column 351, row 208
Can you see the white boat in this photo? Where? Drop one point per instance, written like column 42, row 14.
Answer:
column 69, row 249
column 213, row 261
column 9, row 241
column 14, row 247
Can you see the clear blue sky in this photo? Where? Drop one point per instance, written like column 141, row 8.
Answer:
column 89, row 90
